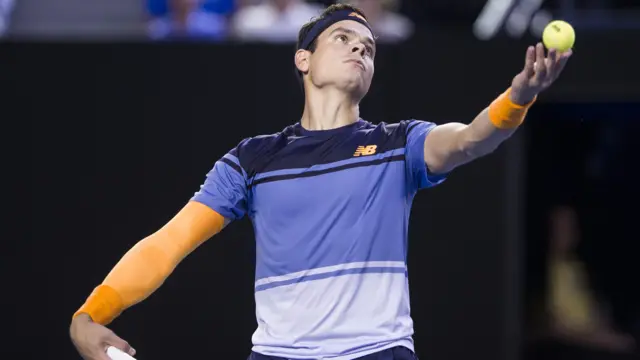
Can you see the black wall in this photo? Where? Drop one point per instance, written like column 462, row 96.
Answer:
column 116, row 138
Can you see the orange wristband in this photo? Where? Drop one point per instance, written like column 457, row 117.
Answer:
column 504, row 114
column 103, row 305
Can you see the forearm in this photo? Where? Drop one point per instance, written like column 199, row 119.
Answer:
column 451, row 145
column 144, row 268
column 493, row 125
column 136, row 276
column 482, row 137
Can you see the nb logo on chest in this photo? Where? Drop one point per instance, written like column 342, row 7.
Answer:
column 365, row 150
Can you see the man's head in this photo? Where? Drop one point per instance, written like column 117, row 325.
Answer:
column 337, row 50
column 564, row 230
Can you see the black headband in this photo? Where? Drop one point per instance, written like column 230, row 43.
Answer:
column 323, row 24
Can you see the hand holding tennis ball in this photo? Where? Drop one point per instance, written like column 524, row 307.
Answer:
column 540, row 69
column 558, row 35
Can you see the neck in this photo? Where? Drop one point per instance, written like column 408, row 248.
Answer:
column 328, row 109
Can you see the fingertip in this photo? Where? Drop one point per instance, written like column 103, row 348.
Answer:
column 530, row 56
column 540, row 51
column 564, row 57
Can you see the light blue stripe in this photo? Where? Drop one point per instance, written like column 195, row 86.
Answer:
column 369, row 270
column 353, row 160
column 330, row 233
column 236, row 161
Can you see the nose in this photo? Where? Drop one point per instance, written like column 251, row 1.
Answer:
column 359, row 47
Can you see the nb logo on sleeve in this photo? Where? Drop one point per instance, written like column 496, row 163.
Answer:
column 365, row 150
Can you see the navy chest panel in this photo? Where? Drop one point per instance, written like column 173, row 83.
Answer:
column 273, row 155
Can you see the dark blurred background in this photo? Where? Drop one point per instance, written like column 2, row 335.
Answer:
column 125, row 105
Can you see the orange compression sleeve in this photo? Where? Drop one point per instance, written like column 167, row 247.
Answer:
column 504, row 114
column 147, row 264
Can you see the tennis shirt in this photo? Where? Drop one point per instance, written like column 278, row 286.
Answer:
column 330, row 210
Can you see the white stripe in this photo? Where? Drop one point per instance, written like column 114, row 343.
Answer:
column 344, row 317
column 326, row 269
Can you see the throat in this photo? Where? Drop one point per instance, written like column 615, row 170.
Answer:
column 326, row 113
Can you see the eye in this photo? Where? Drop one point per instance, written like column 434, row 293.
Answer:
column 369, row 50
column 342, row 38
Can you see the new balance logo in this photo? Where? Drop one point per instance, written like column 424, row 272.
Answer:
column 355, row 14
column 365, row 150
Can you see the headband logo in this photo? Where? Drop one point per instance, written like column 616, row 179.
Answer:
column 355, row 14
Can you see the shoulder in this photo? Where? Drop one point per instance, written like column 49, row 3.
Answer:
column 251, row 149
column 398, row 129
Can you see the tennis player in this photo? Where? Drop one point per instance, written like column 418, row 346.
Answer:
column 329, row 198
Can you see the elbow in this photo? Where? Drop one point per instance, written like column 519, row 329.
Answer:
column 473, row 149
column 474, row 146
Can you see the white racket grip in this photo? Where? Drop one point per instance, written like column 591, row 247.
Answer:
column 117, row 354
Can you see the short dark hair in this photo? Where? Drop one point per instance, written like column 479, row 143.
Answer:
column 304, row 30
column 327, row 12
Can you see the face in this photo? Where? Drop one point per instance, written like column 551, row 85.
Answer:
column 343, row 58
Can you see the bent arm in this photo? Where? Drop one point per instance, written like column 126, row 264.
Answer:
column 144, row 268
column 450, row 145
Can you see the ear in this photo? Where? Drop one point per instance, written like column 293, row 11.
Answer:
column 302, row 60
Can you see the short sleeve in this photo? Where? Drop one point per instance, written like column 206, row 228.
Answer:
column 225, row 188
column 419, row 176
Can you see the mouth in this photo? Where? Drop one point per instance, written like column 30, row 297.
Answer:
column 357, row 62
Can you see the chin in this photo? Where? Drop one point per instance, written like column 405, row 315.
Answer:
column 355, row 86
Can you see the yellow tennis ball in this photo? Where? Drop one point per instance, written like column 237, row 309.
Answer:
column 559, row 35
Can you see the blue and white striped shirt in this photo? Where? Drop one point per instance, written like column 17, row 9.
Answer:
column 330, row 211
